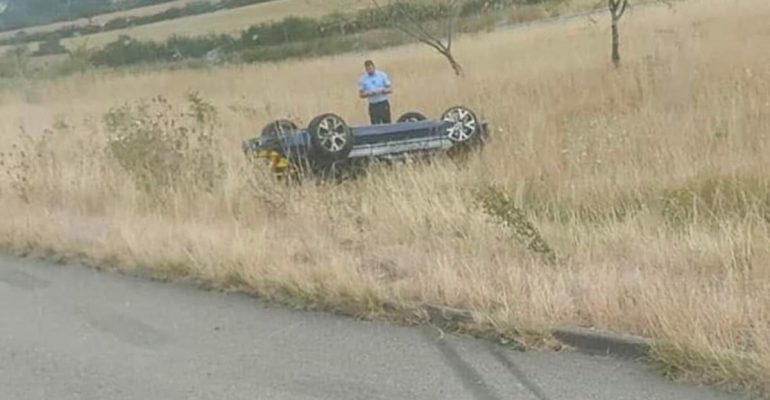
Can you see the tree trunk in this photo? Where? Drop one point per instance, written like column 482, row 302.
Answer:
column 615, row 43
column 455, row 65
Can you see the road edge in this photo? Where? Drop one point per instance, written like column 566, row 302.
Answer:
column 603, row 342
column 589, row 340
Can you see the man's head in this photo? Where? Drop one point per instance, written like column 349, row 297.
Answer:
column 369, row 65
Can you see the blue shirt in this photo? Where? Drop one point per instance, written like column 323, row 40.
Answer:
column 378, row 80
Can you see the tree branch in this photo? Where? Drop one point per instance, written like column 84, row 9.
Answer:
column 623, row 8
column 402, row 19
column 417, row 24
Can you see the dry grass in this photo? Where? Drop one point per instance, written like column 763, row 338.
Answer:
column 649, row 182
column 231, row 21
column 100, row 19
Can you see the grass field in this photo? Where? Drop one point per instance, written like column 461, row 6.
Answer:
column 231, row 21
column 650, row 182
column 100, row 19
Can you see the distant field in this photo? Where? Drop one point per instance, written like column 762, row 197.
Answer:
column 104, row 18
column 225, row 21
column 233, row 21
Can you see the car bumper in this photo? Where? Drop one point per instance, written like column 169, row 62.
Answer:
column 273, row 158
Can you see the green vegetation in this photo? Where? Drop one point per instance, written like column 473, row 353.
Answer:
column 292, row 37
column 164, row 150
column 498, row 204
column 302, row 37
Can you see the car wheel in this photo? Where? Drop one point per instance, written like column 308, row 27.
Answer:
column 331, row 138
column 412, row 116
column 279, row 127
column 463, row 127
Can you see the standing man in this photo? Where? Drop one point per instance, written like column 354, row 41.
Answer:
column 375, row 86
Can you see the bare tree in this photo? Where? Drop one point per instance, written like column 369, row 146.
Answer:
column 401, row 17
column 617, row 9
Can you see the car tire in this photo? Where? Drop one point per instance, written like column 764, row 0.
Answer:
column 465, row 126
column 412, row 116
column 331, row 139
column 279, row 127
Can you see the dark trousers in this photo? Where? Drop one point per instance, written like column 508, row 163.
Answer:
column 379, row 113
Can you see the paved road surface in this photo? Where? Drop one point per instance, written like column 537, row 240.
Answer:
column 74, row 333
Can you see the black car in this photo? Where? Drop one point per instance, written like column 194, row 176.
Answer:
column 329, row 144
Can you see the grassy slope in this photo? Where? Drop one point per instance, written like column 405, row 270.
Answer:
column 684, row 121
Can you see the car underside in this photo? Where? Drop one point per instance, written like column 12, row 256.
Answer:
column 329, row 146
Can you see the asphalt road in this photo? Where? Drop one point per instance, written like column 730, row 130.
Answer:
column 69, row 332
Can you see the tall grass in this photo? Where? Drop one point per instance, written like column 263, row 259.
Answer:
column 648, row 183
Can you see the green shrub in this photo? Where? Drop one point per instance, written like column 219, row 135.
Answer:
column 297, row 37
column 50, row 47
column 166, row 151
column 77, row 61
column 126, row 51
column 262, row 42
column 290, row 29
column 15, row 63
column 497, row 204
column 715, row 198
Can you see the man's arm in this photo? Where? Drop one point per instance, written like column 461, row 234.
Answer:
column 369, row 93
column 388, row 87
column 362, row 93
column 366, row 93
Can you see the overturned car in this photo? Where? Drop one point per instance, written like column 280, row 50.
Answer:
column 331, row 147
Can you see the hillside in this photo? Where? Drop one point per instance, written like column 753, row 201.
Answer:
column 222, row 22
column 26, row 13
column 99, row 19
column 177, row 19
column 189, row 35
